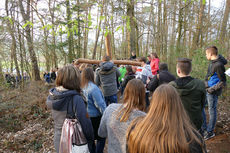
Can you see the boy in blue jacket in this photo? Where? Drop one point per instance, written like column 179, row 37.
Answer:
column 215, row 80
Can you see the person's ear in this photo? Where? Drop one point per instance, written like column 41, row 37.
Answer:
column 178, row 71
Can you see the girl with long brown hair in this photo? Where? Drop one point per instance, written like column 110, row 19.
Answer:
column 67, row 96
column 117, row 117
column 95, row 104
column 166, row 128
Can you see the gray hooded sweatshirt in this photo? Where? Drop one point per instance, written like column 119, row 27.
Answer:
column 106, row 78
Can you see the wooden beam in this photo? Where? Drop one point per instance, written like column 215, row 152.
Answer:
column 118, row 62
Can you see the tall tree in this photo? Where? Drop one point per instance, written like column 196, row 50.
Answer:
column 11, row 28
column 26, row 18
column 86, row 31
column 131, row 32
column 98, row 29
column 53, row 49
column 223, row 31
column 71, row 53
column 199, row 26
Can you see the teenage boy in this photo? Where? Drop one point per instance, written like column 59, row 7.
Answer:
column 144, row 73
column 164, row 76
column 191, row 90
column 106, row 77
column 215, row 80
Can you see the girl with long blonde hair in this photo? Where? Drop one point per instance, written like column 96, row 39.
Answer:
column 117, row 117
column 166, row 128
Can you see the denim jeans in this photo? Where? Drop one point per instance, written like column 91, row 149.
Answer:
column 111, row 99
column 212, row 101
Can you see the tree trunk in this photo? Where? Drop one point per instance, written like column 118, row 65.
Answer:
column 165, row 31
column 27, row 64
column 119, row 62
column 131, row 33
column 79, row 54
column 108, row 46
column 26, row 18
column 86, row 33
column 112, row 32
column 148, row 35
column 209, row 18
column 71, row 54
column 1, row 73
column 180, row 18
column 53, row 50
column 196, row 38
column 21, row 56
column 98, row 32
column 159, row 29
column 223, row 31
column 13, row 45
column 102, row 42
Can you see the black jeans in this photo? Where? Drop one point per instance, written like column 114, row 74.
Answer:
column 100, row 141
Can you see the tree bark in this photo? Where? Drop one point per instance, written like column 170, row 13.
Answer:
column 102, row 42
column 79, row 54
column 148, row 35
column 108, row 46
column 223, row 31
column 1, row 73
column 119, row 62
column 196, row 38
column 26, row 18
column 131, row 33
column 180, row 26
column 86, row 33
column 70, row 33
column 98, row 31
column 13, row 45
column 165, row 31
column 159, row 29
column 53, row 50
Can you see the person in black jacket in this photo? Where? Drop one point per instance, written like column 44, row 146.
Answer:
column 133, row 56
column 164, row 76
column 215, row 80
column 53, row 75
column 128, row 76
column 191, row 90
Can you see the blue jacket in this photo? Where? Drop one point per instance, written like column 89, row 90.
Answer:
column 58, row 100
column 215, row 78
column 95, row 99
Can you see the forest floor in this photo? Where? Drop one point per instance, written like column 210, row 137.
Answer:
column 26, row 124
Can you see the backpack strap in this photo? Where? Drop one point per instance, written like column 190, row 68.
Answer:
column 71, row 115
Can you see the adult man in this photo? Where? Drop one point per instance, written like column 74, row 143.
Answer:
column 107, row 77
column 133, row 56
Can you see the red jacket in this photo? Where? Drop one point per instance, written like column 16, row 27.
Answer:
column 154, row 65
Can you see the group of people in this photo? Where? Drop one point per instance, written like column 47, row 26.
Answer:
column 13, row 80
column 50, row 77
column 175, row 120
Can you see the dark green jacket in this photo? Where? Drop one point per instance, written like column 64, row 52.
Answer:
column 193, row 94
